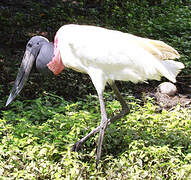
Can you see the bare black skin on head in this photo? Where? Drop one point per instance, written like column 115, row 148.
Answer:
column 39, row 51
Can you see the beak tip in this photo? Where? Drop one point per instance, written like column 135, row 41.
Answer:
column 8, row 101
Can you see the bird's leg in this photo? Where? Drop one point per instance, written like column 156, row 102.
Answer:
column 101, row 128
column 103, row 125
column 123, row 112
column 79, row 144
column 125, row 109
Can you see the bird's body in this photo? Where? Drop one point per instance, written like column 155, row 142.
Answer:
column 105, row 55
column 112, row 55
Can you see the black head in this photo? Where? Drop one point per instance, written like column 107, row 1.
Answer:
column 38, row 49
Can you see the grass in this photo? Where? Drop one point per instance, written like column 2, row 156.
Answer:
column 36, row 137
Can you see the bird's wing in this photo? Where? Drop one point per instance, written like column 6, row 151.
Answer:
column 157, row 48
column 167, row 51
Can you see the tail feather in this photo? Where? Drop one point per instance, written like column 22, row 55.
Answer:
column 163, row 53
column 171, row 69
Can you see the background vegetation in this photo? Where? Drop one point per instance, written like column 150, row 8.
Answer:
column 38, row 129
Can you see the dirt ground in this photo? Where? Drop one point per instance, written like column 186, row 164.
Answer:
column 182, row 96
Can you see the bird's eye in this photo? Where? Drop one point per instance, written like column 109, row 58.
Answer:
column 29, row 45
column 37, row 43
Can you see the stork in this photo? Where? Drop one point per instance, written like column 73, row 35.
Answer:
column 105, row 55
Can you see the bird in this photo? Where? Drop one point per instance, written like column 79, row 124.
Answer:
column 106, row 55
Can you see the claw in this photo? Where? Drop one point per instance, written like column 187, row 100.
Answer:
column 77, row 146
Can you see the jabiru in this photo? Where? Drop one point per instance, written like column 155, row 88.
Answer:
column 105, row 55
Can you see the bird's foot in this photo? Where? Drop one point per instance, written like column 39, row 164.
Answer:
column 77, row 146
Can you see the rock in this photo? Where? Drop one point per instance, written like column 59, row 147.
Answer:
column 167, row 88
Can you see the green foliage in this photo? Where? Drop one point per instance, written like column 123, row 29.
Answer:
column 36, row 137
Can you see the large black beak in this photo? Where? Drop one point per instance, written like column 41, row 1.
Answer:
column 22, row 76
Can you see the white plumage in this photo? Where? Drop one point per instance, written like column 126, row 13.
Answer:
column 108, row 55
column 112, row 55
